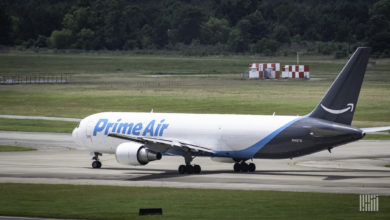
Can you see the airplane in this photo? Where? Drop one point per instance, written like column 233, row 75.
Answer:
column 139, row 138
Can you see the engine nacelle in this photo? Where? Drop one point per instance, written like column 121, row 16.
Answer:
column 130, row 153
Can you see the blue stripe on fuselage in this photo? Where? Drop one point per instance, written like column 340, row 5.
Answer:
column 252, row 150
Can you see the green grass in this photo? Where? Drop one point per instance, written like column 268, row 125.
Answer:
column 36, row 125
column 122, row 82
column 14, row 148
column 106, row 62
column 377, row 137
column 111, row 202
column 387, row 165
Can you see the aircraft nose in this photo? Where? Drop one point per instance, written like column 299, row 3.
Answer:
column 76, row 135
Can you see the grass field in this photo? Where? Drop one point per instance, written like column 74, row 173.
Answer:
column 14, row 148
column 36, row 125
column 111, row 62
column 122, row 82
column 377, row 137
column 110, row 202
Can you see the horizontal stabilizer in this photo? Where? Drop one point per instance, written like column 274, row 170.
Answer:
column 375, row 129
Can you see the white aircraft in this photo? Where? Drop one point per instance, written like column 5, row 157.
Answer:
column 138, row 138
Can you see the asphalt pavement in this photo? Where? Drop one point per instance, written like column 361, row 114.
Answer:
column 356, row 168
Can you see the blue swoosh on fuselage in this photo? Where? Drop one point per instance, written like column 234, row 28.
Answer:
column 252, row 150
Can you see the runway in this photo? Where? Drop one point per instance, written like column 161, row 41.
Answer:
column 354, row 168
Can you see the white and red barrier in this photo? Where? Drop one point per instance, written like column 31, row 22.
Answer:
column 254, row 71
column 296, row 71
column 264, row 70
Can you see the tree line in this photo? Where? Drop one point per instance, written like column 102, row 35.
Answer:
column 214, row 26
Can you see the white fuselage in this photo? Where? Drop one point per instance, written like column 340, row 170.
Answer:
column 218, row 132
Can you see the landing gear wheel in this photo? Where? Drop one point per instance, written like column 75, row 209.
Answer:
column 197, row 169
column 189, row 169
column 252, row 167
column 182, row 169
column 237, row 167
column 244, row 167
column 96, row 164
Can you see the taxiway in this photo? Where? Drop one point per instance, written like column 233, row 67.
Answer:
column 353, row 168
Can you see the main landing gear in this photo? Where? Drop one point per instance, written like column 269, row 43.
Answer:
column 244, row 167
column 188, row 168
column 96, row 163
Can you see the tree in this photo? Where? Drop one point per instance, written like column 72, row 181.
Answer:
column 77, row 19
column 160, row 33
column 379, row 23
column 215, row 31
column 34, row 18
column 187, row 22
column 109, row 23
column 233, row 24
column 298, row 21
column 234, row 10
column 60, row 39
column 258, row 27
column 146, row 37
column 5, row 24
column 281, row 34
column 237, row 42
column 85, row 39
column 266, row 46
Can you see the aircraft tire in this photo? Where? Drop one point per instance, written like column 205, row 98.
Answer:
column 96, row 164
column 189, row 169
column 237, row 167
column 182, row 169
column 244, row 167
column 252, row 167
column 197, row 169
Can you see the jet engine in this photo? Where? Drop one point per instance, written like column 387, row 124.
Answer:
column 131, row 153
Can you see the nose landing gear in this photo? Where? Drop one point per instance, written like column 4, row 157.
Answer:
column 96, row 163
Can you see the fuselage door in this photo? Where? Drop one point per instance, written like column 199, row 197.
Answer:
column 89, row 131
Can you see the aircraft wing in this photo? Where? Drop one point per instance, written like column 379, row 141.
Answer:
column 173, row 144
column 375, row 129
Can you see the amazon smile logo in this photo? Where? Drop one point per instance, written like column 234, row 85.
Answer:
column 340, row 111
